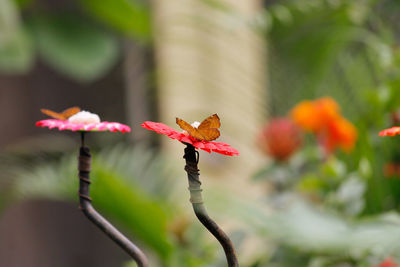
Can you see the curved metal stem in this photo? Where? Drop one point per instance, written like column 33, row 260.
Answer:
column 199, row 208
column 95, row 217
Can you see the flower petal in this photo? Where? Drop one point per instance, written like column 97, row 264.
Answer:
column 390, row 132
column 67, row 125
column 208, row 146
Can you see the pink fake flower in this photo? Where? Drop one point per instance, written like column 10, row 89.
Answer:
column 208, row 146
column 101, row 126
column 80, row 121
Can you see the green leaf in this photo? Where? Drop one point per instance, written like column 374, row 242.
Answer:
column 116, row 192
column 17, row 54
column 16, row 51
column 131, row 17
column 131, row 208
column 9, row 20
column 24, row 3
column 74, row 47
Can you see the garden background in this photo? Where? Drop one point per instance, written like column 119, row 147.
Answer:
column 296, row 195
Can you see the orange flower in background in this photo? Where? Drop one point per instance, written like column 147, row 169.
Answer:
column 322, row 117
column 304, row 115
column 313, row 115
column 280, row 138
column 340, row 133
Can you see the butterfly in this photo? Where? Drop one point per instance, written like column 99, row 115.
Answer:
column 207, row 130
column 63, row 115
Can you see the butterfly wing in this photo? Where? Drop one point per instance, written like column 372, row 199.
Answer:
column 52, row 114
column 208, row 128
column 70, row 112
column 210, row 122
column 189, row 128
column 63, row 115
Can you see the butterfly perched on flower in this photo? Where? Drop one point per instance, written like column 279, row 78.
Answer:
column 64, row 115
column 207, row 130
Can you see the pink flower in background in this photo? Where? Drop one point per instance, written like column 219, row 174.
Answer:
column 280, row 138
column 100, row 126
column 208, row 146
column 80, row 121
column 387, row 263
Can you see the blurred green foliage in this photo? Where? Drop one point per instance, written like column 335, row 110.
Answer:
column 73, row 46
column 81, row 43
column 133, row 187
column 113, row 193
column 131, row 18
column 340, row 211
column 347, row 50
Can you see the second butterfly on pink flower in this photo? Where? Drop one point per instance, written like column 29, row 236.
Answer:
column 74, row 119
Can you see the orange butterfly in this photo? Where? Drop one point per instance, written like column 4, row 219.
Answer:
column 63, row 115
column 207, row 130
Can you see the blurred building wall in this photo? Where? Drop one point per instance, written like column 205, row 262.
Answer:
column 211, row 61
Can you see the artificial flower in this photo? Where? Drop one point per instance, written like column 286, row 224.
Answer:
column 84, row 121
column 390, row 132
column 183, row 137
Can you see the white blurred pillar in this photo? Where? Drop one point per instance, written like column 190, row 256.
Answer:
column 211, row 61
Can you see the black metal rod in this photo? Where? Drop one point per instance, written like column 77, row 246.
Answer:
column 199, row 208
column 95, row 217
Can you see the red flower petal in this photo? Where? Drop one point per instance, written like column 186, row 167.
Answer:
column 280, row 138
column 208, row 146
column 390, row 132
column 67, row 125
column 388, row 262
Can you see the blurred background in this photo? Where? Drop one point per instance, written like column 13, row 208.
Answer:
column 302, row 87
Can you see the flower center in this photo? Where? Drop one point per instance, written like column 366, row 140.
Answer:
column 84, row 117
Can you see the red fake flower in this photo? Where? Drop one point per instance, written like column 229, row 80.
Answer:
column 389, row 262
column 208, row 146
column 391, row 169
column 280, row 138
column 395, row 120
column 390, row 132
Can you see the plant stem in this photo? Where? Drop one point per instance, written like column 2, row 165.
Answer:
column 199, row 208
column 95, row 217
